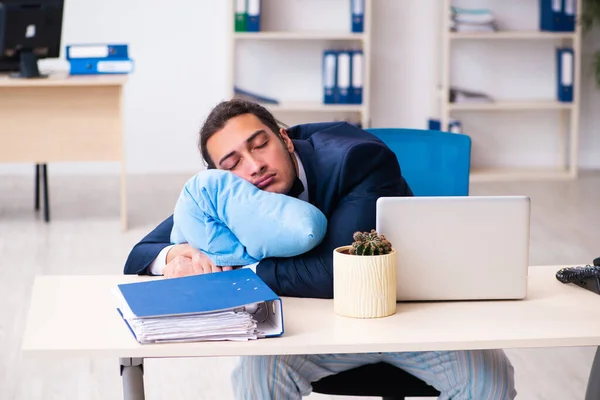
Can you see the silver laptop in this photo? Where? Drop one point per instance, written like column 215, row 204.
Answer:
column 458, row 248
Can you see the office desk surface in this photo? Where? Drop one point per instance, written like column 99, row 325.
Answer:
column 76, row 316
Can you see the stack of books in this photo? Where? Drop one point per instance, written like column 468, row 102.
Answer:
column 99, row 59
column 234, row 305
column 472, row 20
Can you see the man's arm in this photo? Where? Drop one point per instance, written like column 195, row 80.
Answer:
column 311, row 274
column 145, row 252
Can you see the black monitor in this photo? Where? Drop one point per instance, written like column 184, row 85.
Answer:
column 29, row 30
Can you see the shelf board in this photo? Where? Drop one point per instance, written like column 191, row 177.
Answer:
column 511, row 105
column 512, row 35
column 299, row 35
column 304, row 106
column 519, row 174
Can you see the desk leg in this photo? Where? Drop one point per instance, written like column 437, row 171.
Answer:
column 46, row 201
column 593, row 388
column 132, row 371
column 37, row 187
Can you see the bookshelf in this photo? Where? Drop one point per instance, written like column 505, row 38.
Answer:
column 284, row 60
column 567, row 130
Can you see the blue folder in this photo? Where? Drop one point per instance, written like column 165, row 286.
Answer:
column 100, row 66
column 357, row 10
column 104, row 51
column 204, row 294
column 253, row 12
column 330, row 86
column 568, row 15
column 565, row 59
column 551, row 15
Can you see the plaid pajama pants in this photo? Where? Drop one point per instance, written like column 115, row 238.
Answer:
column 458, row 375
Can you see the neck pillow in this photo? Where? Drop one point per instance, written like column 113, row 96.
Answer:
column 235, row 223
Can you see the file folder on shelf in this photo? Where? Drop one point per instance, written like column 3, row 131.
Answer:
column 565, row 59
column 357, row 10
column 568, row 18
column 454, row 125
column 357, row 77
column 330, row 60
column 253, row 21
column 233, row 305
column 551, row 15
column 241, row 15
column 100, row 66
column 343, row 77
column 105, row 51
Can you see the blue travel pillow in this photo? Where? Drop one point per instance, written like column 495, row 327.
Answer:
column 236, row 223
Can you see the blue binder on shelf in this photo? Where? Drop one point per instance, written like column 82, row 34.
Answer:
column 253, row 10
column 357, row 11
column 344, row 61
column 200, row 307
column 79, row 51
column 565, row 58
column 100, row 66
column 568, row 16
column 330, row 59
column 551, row 15
column 357, row 77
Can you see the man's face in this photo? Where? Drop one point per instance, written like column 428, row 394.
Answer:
column 249, row 149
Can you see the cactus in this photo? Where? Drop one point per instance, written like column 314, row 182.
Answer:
column 370, row 244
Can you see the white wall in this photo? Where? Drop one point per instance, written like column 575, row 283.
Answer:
column 181, row 53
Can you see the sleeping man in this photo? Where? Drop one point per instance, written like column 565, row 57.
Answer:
column 341, row 170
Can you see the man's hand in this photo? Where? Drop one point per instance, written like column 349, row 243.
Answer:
column 184, row 260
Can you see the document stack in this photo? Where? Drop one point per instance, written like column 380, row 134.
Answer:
column 472, row 20
column 343, row 76
column 99, row 59
column 234, row 305
column 458, row 95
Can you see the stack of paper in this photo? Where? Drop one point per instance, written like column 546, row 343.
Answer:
column 233, row 305
column 472, row 20
column 458, row 95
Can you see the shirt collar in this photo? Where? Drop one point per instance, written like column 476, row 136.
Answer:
column 302, row 176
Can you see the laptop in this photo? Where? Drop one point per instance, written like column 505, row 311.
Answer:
column 458, row 248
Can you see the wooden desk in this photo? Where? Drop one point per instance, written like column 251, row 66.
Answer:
column 553, row 315
column 63, row 119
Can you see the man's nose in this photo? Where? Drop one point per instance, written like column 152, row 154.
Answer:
column 256, row 166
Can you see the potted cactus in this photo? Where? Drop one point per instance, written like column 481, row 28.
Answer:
column 364, row 277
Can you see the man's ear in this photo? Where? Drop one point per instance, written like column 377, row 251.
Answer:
column 286, row 140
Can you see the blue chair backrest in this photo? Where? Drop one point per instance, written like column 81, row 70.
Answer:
column 433, row 163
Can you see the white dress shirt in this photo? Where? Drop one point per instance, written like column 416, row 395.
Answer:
column 157, row 266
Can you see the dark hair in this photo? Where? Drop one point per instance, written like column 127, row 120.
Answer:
column 226, row 110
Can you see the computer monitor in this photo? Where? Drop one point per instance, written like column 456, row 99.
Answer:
column 29, row 30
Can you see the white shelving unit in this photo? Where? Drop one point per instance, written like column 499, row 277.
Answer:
column 568, row 130
column 310, row 109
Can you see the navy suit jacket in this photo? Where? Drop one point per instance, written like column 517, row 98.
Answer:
column 347, row 170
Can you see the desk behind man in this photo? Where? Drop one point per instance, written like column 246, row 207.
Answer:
column 63, row 119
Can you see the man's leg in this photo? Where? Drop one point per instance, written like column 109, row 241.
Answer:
column 461, row 375
column 289, row 377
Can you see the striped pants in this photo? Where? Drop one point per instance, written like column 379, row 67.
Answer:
column 458, row 375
